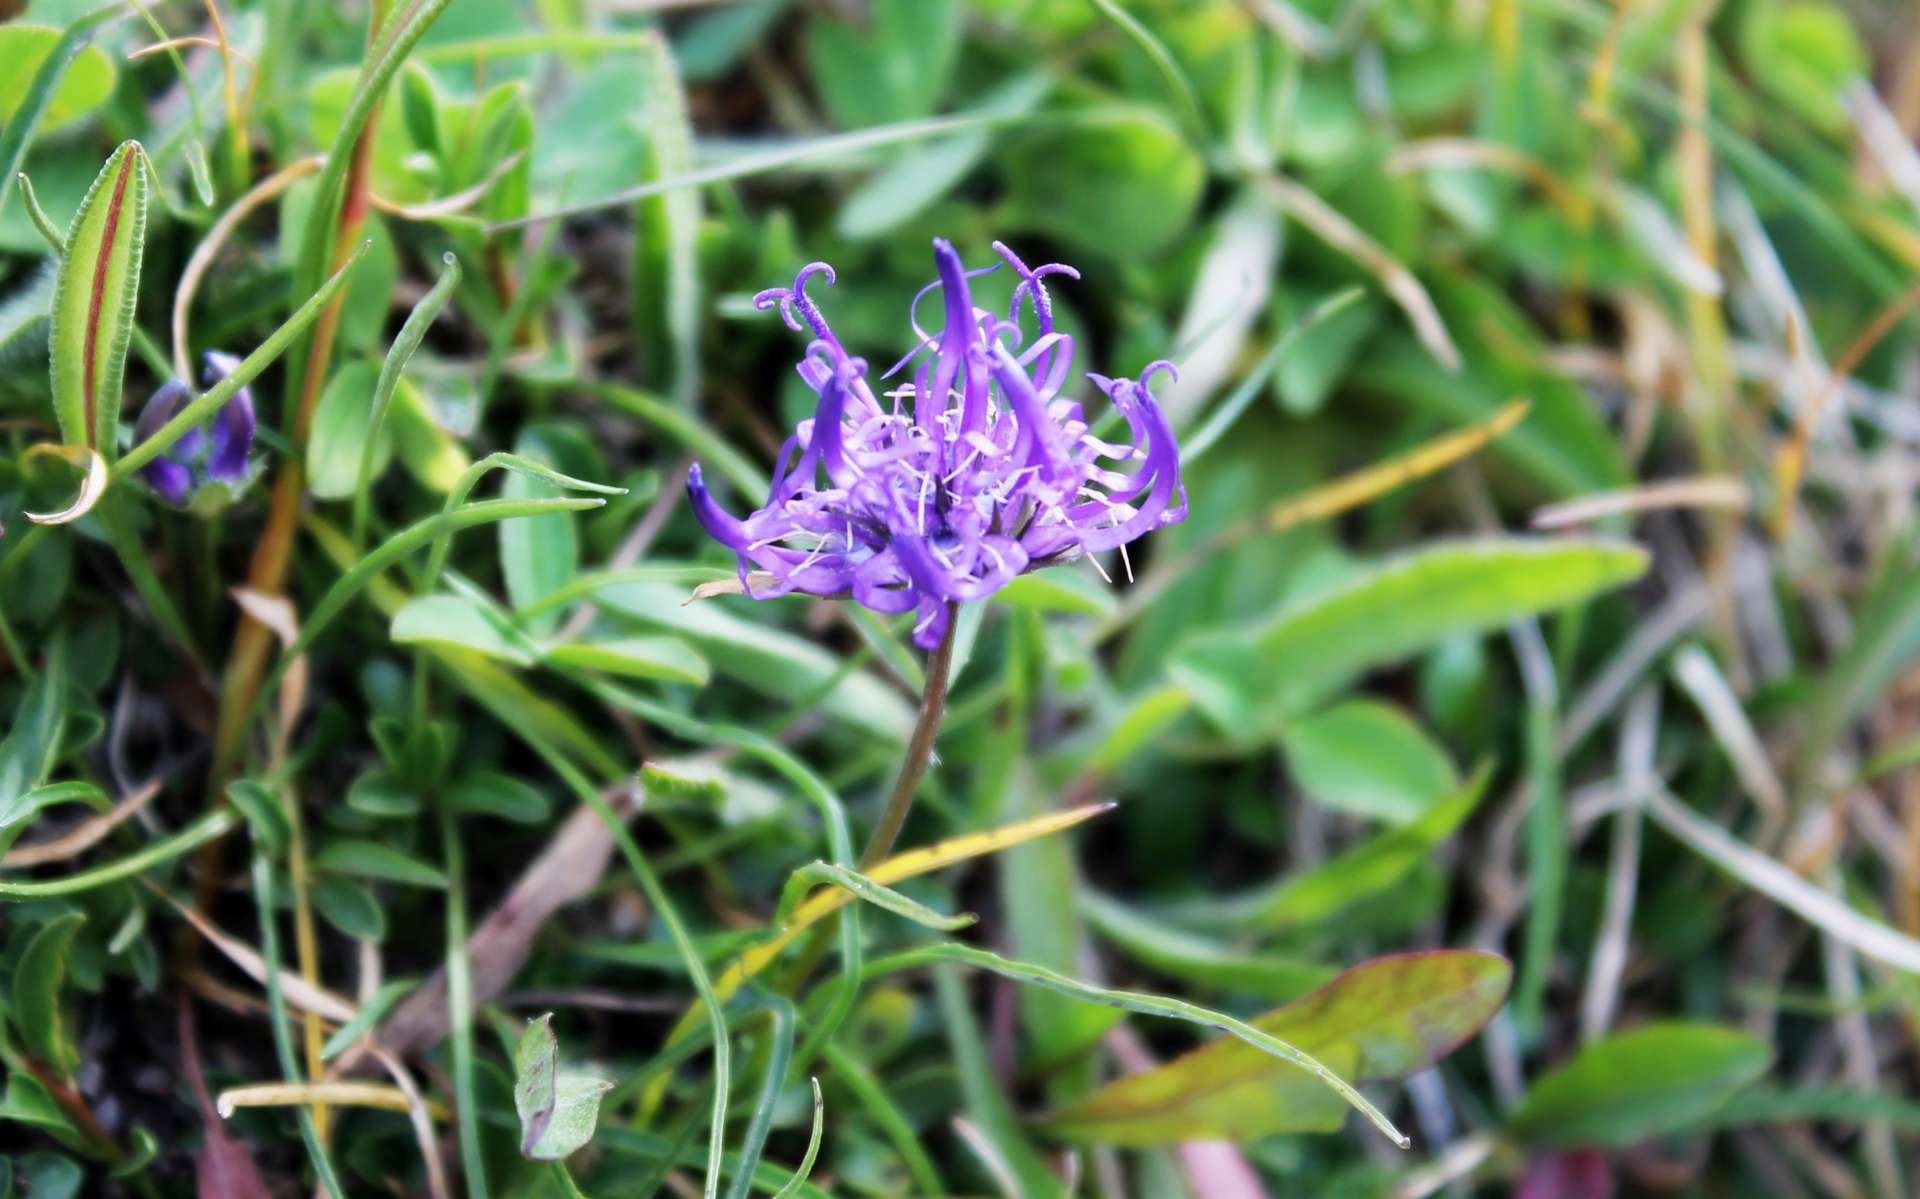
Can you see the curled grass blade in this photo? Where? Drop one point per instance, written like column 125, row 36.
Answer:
column 805, row 1170
column 404, row 344
column 210, row 827
column 780, row 1018
column 1163, row 61
column 862, row 887
column 1145, row 1005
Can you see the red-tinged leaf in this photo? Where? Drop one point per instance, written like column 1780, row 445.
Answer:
column 1382, row 1019
column 93, row 302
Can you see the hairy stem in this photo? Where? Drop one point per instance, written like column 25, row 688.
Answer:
column 933, row 705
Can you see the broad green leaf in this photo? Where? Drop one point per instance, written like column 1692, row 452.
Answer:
column 577, row 152
column 339, row 434
column 23, row 314
column 265, row 814
column 21, row 812
column 1251, row 682
column 1040, row 887
column 1886, row 637
column 667, row 658
column 1635, row 1085
column 85, row 85
column 31, row 746
column 1182, row 954
column 764, row 658
column 50, row 1176
column 890, row 64
column 369, row 298
column 1563, row 445
column 1387, row 1018
column 558, row 1108
column 93, row 301
column 1110, row 183
column 17, row 129
column 921, row 175
column 1135, row 726
column 459, row 620
column 666, row 265
column 1803, row 52
column 370, row 859
column 378, row 793
column 431, row 454
column 538, row 555
column 27, row 1102
column 351, row 907
column 1065, row 589
column 1321, row 355
column 37, row 981
column 491, row 793
column 1361, row 873
column 1370, row 759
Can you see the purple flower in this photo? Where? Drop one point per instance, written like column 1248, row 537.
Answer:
column 953, row 484
column 217, row 454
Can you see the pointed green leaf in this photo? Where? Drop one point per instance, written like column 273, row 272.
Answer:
column 666, row 658
column 370, row 859
column 1251, row 681
column 1059, row 591
column 36, row 992
column 351, row 907
column 1634, row 1085
column 31, row 746
column 86, row 83
column 1369, row 759
column 27, row 1102
column 491, row 793
column 93, row 302
column 459, row 620
column 1361, row 873
column 1384, row 1019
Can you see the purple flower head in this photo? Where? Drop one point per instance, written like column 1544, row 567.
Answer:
column 216, row 454
column 947, row 487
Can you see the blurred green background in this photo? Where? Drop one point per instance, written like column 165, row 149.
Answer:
column 1537, row 651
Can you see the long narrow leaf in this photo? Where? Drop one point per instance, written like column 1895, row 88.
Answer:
column 93, row 302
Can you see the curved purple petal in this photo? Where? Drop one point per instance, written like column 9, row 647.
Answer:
column 993, row 474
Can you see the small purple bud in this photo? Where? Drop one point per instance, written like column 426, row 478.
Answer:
column 170, row 479
column 201, row 455
column 973, row 474
column 233, row 432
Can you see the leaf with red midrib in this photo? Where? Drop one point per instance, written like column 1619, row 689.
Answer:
column 93, row 302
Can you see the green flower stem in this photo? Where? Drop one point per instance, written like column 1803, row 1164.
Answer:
column 933, row 705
